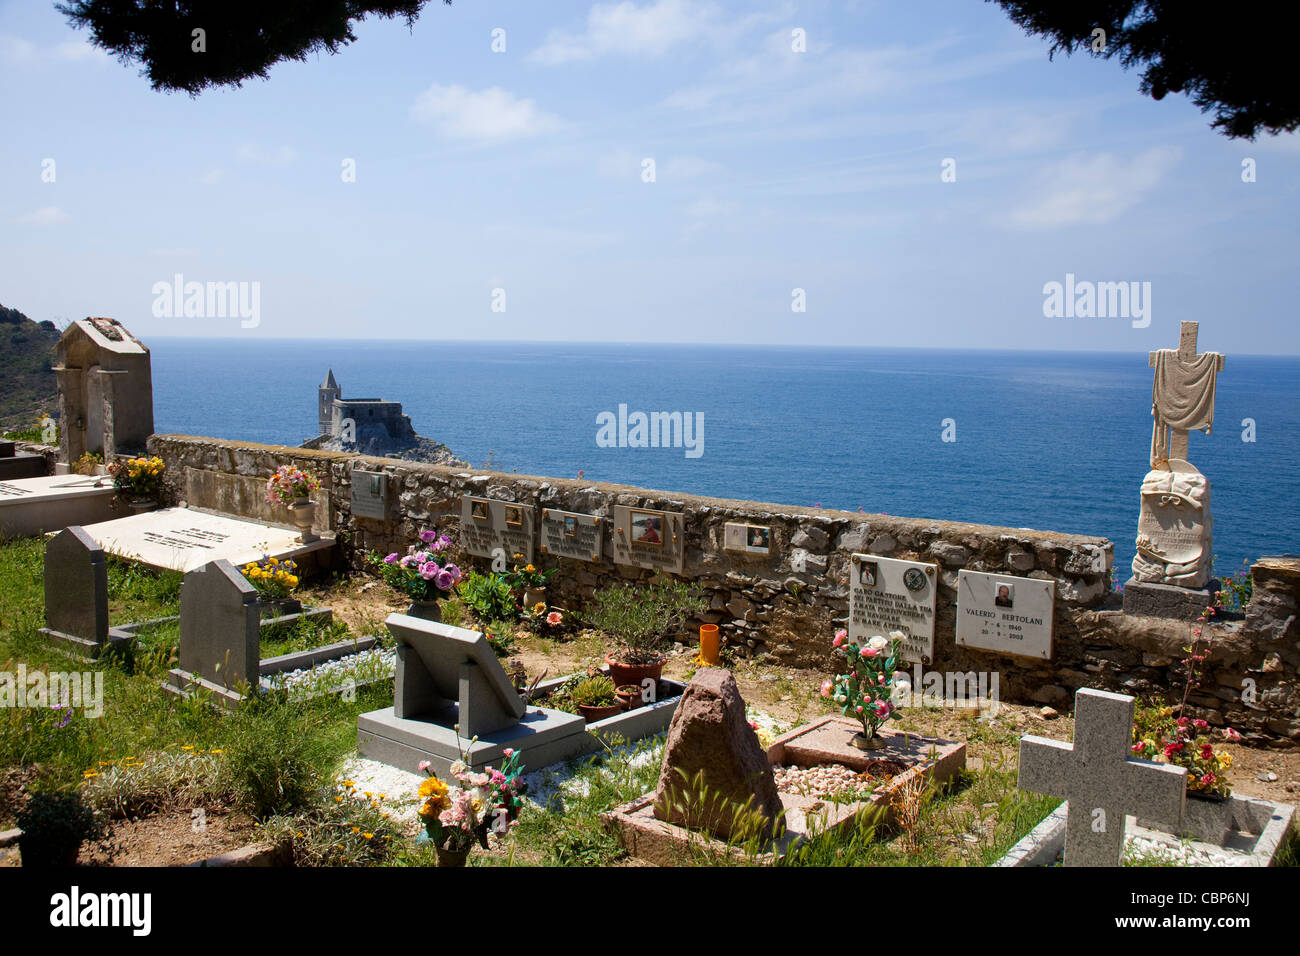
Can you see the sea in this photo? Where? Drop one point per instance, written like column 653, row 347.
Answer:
column 1055, row 441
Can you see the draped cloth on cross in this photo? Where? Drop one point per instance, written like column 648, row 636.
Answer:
column 1182, row 397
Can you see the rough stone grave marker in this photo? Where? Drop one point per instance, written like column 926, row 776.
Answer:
column 76, row 592
column 1005, row 614
column 569, row 534
column 889, row 594
column 450, row 688
column 1099, row 780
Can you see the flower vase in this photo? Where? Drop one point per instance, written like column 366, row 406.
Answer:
column 303, row 512
column 139, row 504
column 429, row 610
column 452, row 857
column 864, row 742
column 533, row 597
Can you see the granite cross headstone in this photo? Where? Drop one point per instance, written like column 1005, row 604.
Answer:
column 220, row 626
column 76, row 591
column 1099, row 779
column 450, row 676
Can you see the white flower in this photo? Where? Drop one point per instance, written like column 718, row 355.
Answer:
column 878, row 643
column 458, row 768
column 898, row 635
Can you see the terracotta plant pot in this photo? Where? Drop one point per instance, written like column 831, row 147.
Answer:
column 631, row 696
column 622, row 674
column 591, row 714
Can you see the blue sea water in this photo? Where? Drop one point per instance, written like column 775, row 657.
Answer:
column 1046, row 440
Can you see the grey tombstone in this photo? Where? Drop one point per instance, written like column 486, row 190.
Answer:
column 369, row 494
column 452, row 701
column 220, row 625
column 451, row 675
column 1099, row 780
column 76, row 592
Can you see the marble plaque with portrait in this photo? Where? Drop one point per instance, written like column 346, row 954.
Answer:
column 648, row 538
column 569, row 534
column 498, row 530
column 750, row 538
column 889, row 594
column 1005, row 614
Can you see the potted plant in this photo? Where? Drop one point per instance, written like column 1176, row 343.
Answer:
column 54, row 825
column 529, row 587
column 630, row 696
column 455, row 817
column 640, row 619
column 424, row 573
column 275, row 581
column 138, row 480
column 864, row 690
column 595, row 698
column 91, row 463
column 292, row 487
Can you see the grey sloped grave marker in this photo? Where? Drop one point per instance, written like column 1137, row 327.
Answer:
column 1099, row 780
column 76, row 592
column 450, row 688
column 220, row 644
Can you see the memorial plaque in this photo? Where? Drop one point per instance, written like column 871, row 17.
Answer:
column 648, row 539
column 497, row 529
column 369, row 494
column 572, row 535
column 751, row 538
column 888, row 594
column 1174, row 523
column 1005, row 614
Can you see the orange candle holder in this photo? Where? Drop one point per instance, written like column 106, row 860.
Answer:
column 709, row 643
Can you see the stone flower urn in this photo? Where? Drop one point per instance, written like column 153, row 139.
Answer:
column 303, row 512
column 429, row 610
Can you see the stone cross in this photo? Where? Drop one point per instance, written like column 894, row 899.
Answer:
column 1186, row 353
column 1099, row 779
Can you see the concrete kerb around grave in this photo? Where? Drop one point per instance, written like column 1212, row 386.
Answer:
column 824, row 740
column 1259, row 830
column 630, row 725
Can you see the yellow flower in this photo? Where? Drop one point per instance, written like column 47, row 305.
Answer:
column 368, row 836
column 530, row 569
column 539, row 608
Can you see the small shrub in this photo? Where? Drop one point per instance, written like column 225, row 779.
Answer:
column 340, row 827
column 640, row 618
column 54, row 826
column 489, row 597
column 595, row 691
column 274, row 761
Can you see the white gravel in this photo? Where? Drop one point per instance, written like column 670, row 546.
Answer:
column 369, row 666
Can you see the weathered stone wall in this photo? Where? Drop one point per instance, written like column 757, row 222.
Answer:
column 763, row 607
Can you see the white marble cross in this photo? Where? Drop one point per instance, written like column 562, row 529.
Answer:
column 1186, row 353
column 1099, row 779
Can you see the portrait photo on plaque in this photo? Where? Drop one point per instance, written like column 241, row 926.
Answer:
column 758, row 539
column 478, row 510
column 514, row 516
column 647, row 527
column 570, row 526
column 868, row 574
column 1006, row 596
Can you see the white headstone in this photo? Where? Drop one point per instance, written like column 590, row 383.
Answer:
column 889, row 594
column 1005, row 614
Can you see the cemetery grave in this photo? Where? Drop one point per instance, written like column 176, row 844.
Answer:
column 37, row 505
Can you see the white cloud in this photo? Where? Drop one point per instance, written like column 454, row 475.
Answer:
column 79, row 50
column 250, row 153
column 688, row 167
column 45, row 216
column 624, row 164
column 625, row 29
column 483, row 115
column 16, row 50
column 711, row 208
column 1094, row 189
column 212, row 176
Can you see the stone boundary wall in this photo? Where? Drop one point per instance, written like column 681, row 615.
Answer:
column 764, row 608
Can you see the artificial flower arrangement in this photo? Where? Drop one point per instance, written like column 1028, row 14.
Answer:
column 424, row 572
column 140, row 477
column 864, row 690
column 1183, row 741
column 527, row 578
column 273, row 578
column 477, row 806
column 290, row 484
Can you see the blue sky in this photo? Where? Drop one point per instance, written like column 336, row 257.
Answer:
column 522, row 170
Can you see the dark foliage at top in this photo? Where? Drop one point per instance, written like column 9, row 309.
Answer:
column 241, row 39
column 1231, row 60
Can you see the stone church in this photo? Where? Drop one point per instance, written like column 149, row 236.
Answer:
column 371, row 426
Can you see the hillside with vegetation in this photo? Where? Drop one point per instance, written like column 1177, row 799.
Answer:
column 27, row 386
